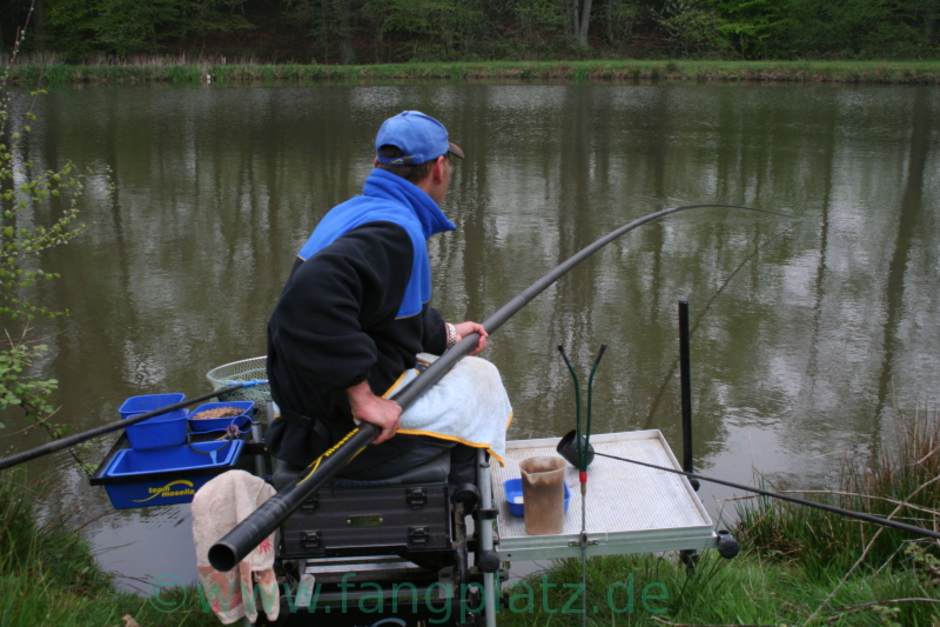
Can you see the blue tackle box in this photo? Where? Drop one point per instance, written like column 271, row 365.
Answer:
column 167, row 476
column 145, row 403
column 170, row 429
column 163, row 430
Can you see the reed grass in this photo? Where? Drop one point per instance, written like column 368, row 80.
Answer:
column 184, row 69
column 901, row 482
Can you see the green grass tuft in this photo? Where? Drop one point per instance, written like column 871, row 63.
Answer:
column 903, row 484
column 49, row 576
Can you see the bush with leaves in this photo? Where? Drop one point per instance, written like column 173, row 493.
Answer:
column 38, row 211
column 692, row 27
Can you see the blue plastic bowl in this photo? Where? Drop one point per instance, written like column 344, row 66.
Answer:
column 158, row 432
column 145, row 403
column 512, row 488
column 246, row 408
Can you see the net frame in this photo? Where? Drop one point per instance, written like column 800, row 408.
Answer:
column 240, row 371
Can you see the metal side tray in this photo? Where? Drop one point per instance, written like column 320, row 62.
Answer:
column 630, row 508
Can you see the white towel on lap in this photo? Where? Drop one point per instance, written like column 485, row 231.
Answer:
column 468, row 405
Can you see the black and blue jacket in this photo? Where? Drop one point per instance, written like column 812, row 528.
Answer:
column 354, row 308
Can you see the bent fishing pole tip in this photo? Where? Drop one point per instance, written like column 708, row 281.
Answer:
column 711, row 205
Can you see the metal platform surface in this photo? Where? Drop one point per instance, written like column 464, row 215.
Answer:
column 630, row 508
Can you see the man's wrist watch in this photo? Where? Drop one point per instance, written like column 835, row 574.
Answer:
column 451, row 334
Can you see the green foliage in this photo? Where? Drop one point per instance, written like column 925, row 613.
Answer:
column 23, row 193
column 419, row 28
column 125, row 27
column 333, row 27
column 350, row 31
column 17, row 388
column 692, row 27
column 754, row 27
column 619, row 18
column 541, row 20
column 38, row 211
column 73, row 25
column 218, row 16
column 791, row 28
column 22, row 246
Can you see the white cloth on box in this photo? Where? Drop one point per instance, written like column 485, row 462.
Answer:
column 217, row 507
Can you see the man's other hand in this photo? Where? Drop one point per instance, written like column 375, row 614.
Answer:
column 466, row 328
column 382, row 412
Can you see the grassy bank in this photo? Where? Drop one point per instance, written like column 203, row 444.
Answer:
column 48, row 576
column 170, row 71
column 798, row 566
column 749, row 590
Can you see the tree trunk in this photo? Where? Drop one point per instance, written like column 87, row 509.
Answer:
column 585, row 23
column 325, row 30
column 574, row 20
column 610, row 22
column 348, row 54
column 930, row 24
column 40, row 38
column 580, row 20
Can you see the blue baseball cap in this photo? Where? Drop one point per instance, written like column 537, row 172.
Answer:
column 417, row 135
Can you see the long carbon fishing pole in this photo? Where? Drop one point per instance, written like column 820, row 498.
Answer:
column 78, row 438
column 245, row 536
column 877, row 520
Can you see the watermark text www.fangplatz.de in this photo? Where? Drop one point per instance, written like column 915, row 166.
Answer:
column 442, row 603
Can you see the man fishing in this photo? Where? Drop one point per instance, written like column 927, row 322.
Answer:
column 354, row 312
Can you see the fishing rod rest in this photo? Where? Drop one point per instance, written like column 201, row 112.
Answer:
column 568, row 448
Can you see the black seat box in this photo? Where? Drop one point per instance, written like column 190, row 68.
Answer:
column 348, row 520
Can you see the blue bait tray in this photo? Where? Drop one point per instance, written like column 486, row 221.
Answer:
column 513, row 491
column 246, row 408
column 243, row 423
column 166, row 476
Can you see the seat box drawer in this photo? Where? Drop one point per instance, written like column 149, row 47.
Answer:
column 344, row 520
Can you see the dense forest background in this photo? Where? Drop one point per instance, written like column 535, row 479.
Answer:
column 372, row 31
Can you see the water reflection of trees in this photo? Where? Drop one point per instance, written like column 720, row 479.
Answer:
column 216, row 188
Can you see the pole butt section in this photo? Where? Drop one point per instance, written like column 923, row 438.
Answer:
column 222, row 557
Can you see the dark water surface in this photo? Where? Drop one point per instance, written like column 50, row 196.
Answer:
column 810, row 335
